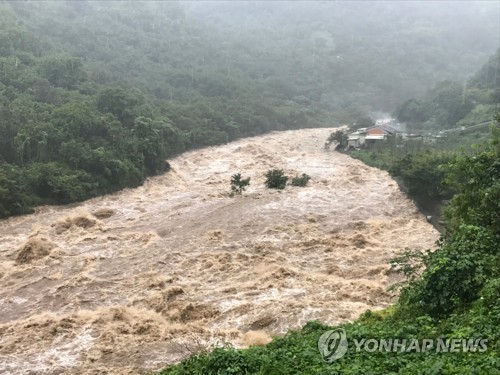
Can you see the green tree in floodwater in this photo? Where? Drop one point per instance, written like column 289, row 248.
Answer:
column 239, row 184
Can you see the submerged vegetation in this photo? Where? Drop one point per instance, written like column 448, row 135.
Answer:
column 301, row 180
column 276, row 179
column 238, row 184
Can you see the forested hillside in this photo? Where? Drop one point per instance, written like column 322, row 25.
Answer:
column 94, row 96
column 348, row 55
column 450, row 104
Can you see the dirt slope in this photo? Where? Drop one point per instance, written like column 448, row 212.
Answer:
column 141, row 278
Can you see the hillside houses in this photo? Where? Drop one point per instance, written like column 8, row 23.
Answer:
column 366, row 136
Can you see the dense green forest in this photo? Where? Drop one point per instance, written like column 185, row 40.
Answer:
column 94, row 96
column 453, row 104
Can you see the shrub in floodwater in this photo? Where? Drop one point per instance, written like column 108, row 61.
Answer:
column 301, row 181
column 276, row 179
column 238, row 184
column 339, row 137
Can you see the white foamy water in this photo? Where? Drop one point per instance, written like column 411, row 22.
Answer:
column 144, row 277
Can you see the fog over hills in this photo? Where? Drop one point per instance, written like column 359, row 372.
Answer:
column 130, row 241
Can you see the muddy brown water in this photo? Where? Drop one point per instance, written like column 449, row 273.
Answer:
column 135, row 280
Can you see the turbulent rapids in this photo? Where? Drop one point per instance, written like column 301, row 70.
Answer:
column 136, row 280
